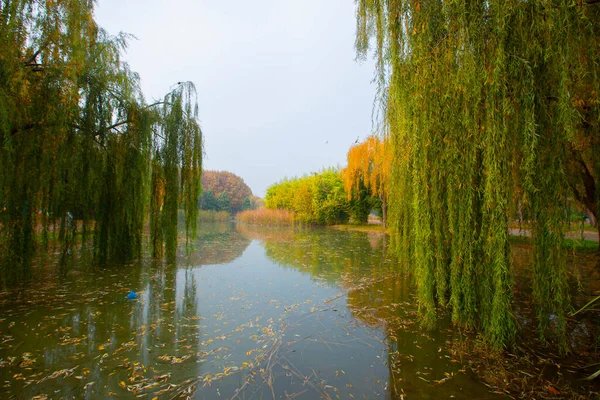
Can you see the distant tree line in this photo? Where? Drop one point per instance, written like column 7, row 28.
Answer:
column 319, row 198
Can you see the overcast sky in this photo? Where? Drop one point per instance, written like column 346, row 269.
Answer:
column 279, row 92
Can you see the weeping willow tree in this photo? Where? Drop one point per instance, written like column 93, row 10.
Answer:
column 79, row 142
column 487, row 104
column 369, row 165
column 177, row 166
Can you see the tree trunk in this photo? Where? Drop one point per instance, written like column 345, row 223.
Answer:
column 592, row 217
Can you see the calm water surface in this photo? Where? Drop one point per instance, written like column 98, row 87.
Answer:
column 252, row 313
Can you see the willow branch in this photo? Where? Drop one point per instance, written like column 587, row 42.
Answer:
column 126, row 121
column 115, row 125
column 153, row 104
column 37, row 53
column 590, row 302
column 33, row 57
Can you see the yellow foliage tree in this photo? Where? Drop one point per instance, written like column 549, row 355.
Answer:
column 369, row 162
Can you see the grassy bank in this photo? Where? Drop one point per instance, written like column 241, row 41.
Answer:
column 581, row 246
column 267, row 217
column 361, row 228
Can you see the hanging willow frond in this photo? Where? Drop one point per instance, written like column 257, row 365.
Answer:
column 481, row 100
column 79, row 141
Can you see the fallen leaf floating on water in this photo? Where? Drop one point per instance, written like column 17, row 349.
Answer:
column 62, row 373
column 173, row 359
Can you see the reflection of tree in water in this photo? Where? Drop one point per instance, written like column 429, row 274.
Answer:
column 266, row 233
column 358, row 261
column 378, row 295
column 217, row 244
column 331, row 255
column 113, row 339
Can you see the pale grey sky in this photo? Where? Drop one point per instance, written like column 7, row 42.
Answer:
column 279, row 91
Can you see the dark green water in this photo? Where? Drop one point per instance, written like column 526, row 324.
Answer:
column 253, row 313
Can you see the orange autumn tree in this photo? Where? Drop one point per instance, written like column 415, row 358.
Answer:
column 227, row 182
column 369, row 164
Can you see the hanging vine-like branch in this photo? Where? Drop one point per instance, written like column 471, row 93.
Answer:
column 481, row 100
column 79, row 141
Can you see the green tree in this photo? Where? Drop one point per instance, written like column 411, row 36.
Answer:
column 247, row 204
column 330, row 201
column 361, row 204
column 223, row 202
column 208, row 201
column 319, row 198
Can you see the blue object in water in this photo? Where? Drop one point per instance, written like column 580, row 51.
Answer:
column 132, row 295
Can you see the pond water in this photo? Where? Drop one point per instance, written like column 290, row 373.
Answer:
column 252, row 313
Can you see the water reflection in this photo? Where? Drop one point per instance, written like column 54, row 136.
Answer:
column 378, row 295
column 251, row 313
column 217, row 243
